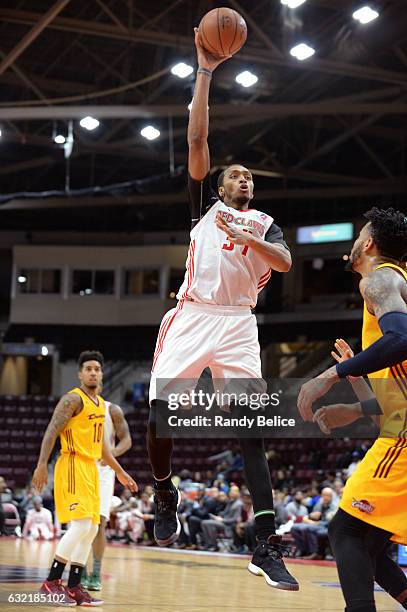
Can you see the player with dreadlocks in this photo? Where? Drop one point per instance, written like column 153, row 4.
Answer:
column 373, row 509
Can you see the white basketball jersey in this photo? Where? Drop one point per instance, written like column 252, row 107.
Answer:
column 109, row 427
column 219, row 271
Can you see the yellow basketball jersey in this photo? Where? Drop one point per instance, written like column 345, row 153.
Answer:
column 83, row 434
column 389, row 385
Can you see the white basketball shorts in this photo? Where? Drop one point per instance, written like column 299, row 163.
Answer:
column 195, row 336
column 106, row 485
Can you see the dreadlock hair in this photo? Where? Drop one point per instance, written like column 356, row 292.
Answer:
column 90, row 356
column 388, row 228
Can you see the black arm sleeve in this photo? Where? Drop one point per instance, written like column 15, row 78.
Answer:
column 275, row 234
column 389, row 350
column 201, row 197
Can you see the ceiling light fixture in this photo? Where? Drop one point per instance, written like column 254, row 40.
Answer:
column 89, row 123
column 302, row 52
column 150, row 132
column 292, row 4
column 182, row 70
column 246, row 79
column 365, row 14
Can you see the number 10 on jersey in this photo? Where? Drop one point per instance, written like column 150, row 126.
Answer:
column 97, row 432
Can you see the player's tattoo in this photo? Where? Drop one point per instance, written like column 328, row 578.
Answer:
column 382, row 291
column 67, row 407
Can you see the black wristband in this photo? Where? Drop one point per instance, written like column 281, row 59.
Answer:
column 371, row 407
column 205, row 71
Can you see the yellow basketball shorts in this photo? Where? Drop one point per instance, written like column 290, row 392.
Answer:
column 376, row 493
column 76, row 488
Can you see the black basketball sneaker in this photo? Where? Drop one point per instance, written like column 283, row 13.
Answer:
column 166, row 523
column 268, row 561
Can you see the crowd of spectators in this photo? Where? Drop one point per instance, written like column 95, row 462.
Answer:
column 215, row 511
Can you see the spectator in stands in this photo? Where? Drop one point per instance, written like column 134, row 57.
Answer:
column 329, row 480
column 185, row 479
column 209, row 478
column 184, row 512
column 290, row 479
column 125, row 497
column 356, row 459
column 6, row 494
column 296, row 508
column 197, row 477
column 203, row 506
column 26, row 503
column 280, row 479
column 6, row 497
column 312, row 495
column 2, row 521
column 281, row 516
column 285, row 478
column 148, row 489
column 338, row 487
column 146, row 507
column 131, row 522
column 244, row 536
column 221, row 484
column 310, row 535
column 38, row 523
column 225, row 521
column 236, row 465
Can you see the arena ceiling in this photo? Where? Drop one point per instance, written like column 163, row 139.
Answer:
column 325, row 137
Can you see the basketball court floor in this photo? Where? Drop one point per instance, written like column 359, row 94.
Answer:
column 162, row 580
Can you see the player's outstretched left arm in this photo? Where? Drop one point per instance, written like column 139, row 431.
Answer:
column 123, row 477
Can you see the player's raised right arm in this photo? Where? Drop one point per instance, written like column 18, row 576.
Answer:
column 198, row 126
column 69, row 405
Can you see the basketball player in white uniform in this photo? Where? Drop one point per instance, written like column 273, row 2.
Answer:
column 115, row 427
column 232, row 253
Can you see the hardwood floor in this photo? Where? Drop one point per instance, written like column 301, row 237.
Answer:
column 155, row 580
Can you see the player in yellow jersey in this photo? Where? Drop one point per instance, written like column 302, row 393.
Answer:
column 79, row 421
column 373, row 509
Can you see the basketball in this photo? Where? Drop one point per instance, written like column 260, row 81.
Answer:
column 223, row 32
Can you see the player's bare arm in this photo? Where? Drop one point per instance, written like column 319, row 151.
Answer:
column 275, row 255
column 123, row 477
column 361, row 388
column 68, row 406
column 340, row 415
column 198, row 126
column 122, row 430
column 384, row 291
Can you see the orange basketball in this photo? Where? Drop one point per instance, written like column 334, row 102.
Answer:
column 223, row 32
